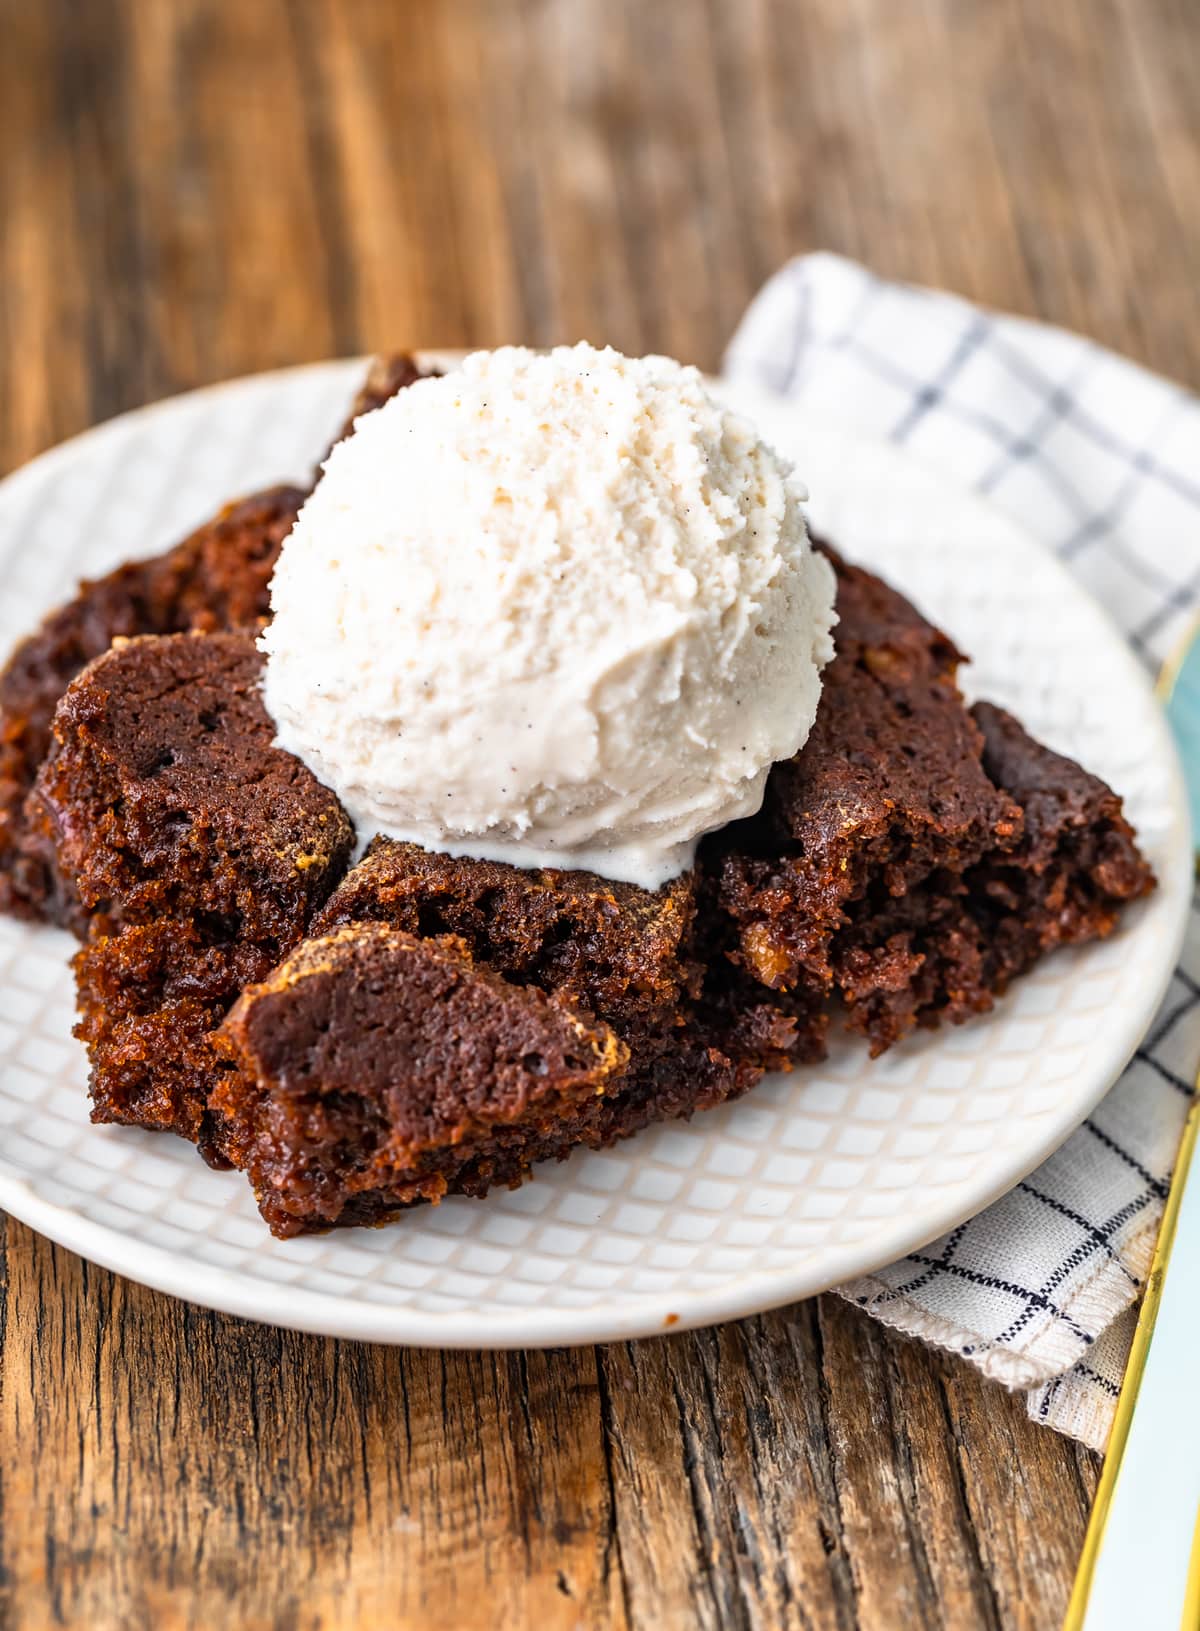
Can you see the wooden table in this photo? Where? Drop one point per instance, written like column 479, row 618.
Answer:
column 194, row 190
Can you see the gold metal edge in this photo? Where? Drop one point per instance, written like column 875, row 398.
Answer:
column 1191, row 1596
column 1168, row 674
column 1130, row 1388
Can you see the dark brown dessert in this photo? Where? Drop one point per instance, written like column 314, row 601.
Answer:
column 889, row 788
column 908, row 897
column 904, row 896
column 611, row 953
column 198, row 851
column 422, row 1071
column 149, row 999
column 217, row 578
column 873, row 872
column 165, row 796
column 641, row 960
column 617, row 950
column 1077, row 864
column 947, row 950
column 452, row 1021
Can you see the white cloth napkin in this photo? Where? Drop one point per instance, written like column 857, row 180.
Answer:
column 1101, row 461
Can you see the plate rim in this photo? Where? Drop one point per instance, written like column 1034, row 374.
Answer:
column 630, row 1314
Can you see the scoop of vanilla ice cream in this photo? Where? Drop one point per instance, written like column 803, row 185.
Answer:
column 554, row 609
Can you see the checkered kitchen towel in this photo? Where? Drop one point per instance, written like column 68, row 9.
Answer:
column 1101, row 461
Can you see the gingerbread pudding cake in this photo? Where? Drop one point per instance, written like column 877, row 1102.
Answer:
column 447, row 874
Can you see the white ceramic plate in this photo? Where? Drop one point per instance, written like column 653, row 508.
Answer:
column 813, row 1178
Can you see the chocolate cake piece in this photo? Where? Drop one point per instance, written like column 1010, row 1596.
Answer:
column 915, row 855
column 164, row 794
column 156, row 1070
column 889, row 790
column 696, row 1027
column 375, row 1069
column 950, row 948
column 1076, row 867
column 172, row 959
column 218, row 578
column 756, row 1027
column 198, row 850
column 922, row 961
column 308, row 1109
column 149, row 999
column 639, row 959
column 610, row 952
column 617, row 950
column 331, row 1045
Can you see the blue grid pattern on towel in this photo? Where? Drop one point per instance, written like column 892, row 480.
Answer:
column 1101, row 461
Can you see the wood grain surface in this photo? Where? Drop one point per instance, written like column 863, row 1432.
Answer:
column 193, row 189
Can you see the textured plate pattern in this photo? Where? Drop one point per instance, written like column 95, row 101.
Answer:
column 815, row 1177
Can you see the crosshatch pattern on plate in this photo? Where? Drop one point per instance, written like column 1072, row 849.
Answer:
column 814, row 1176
